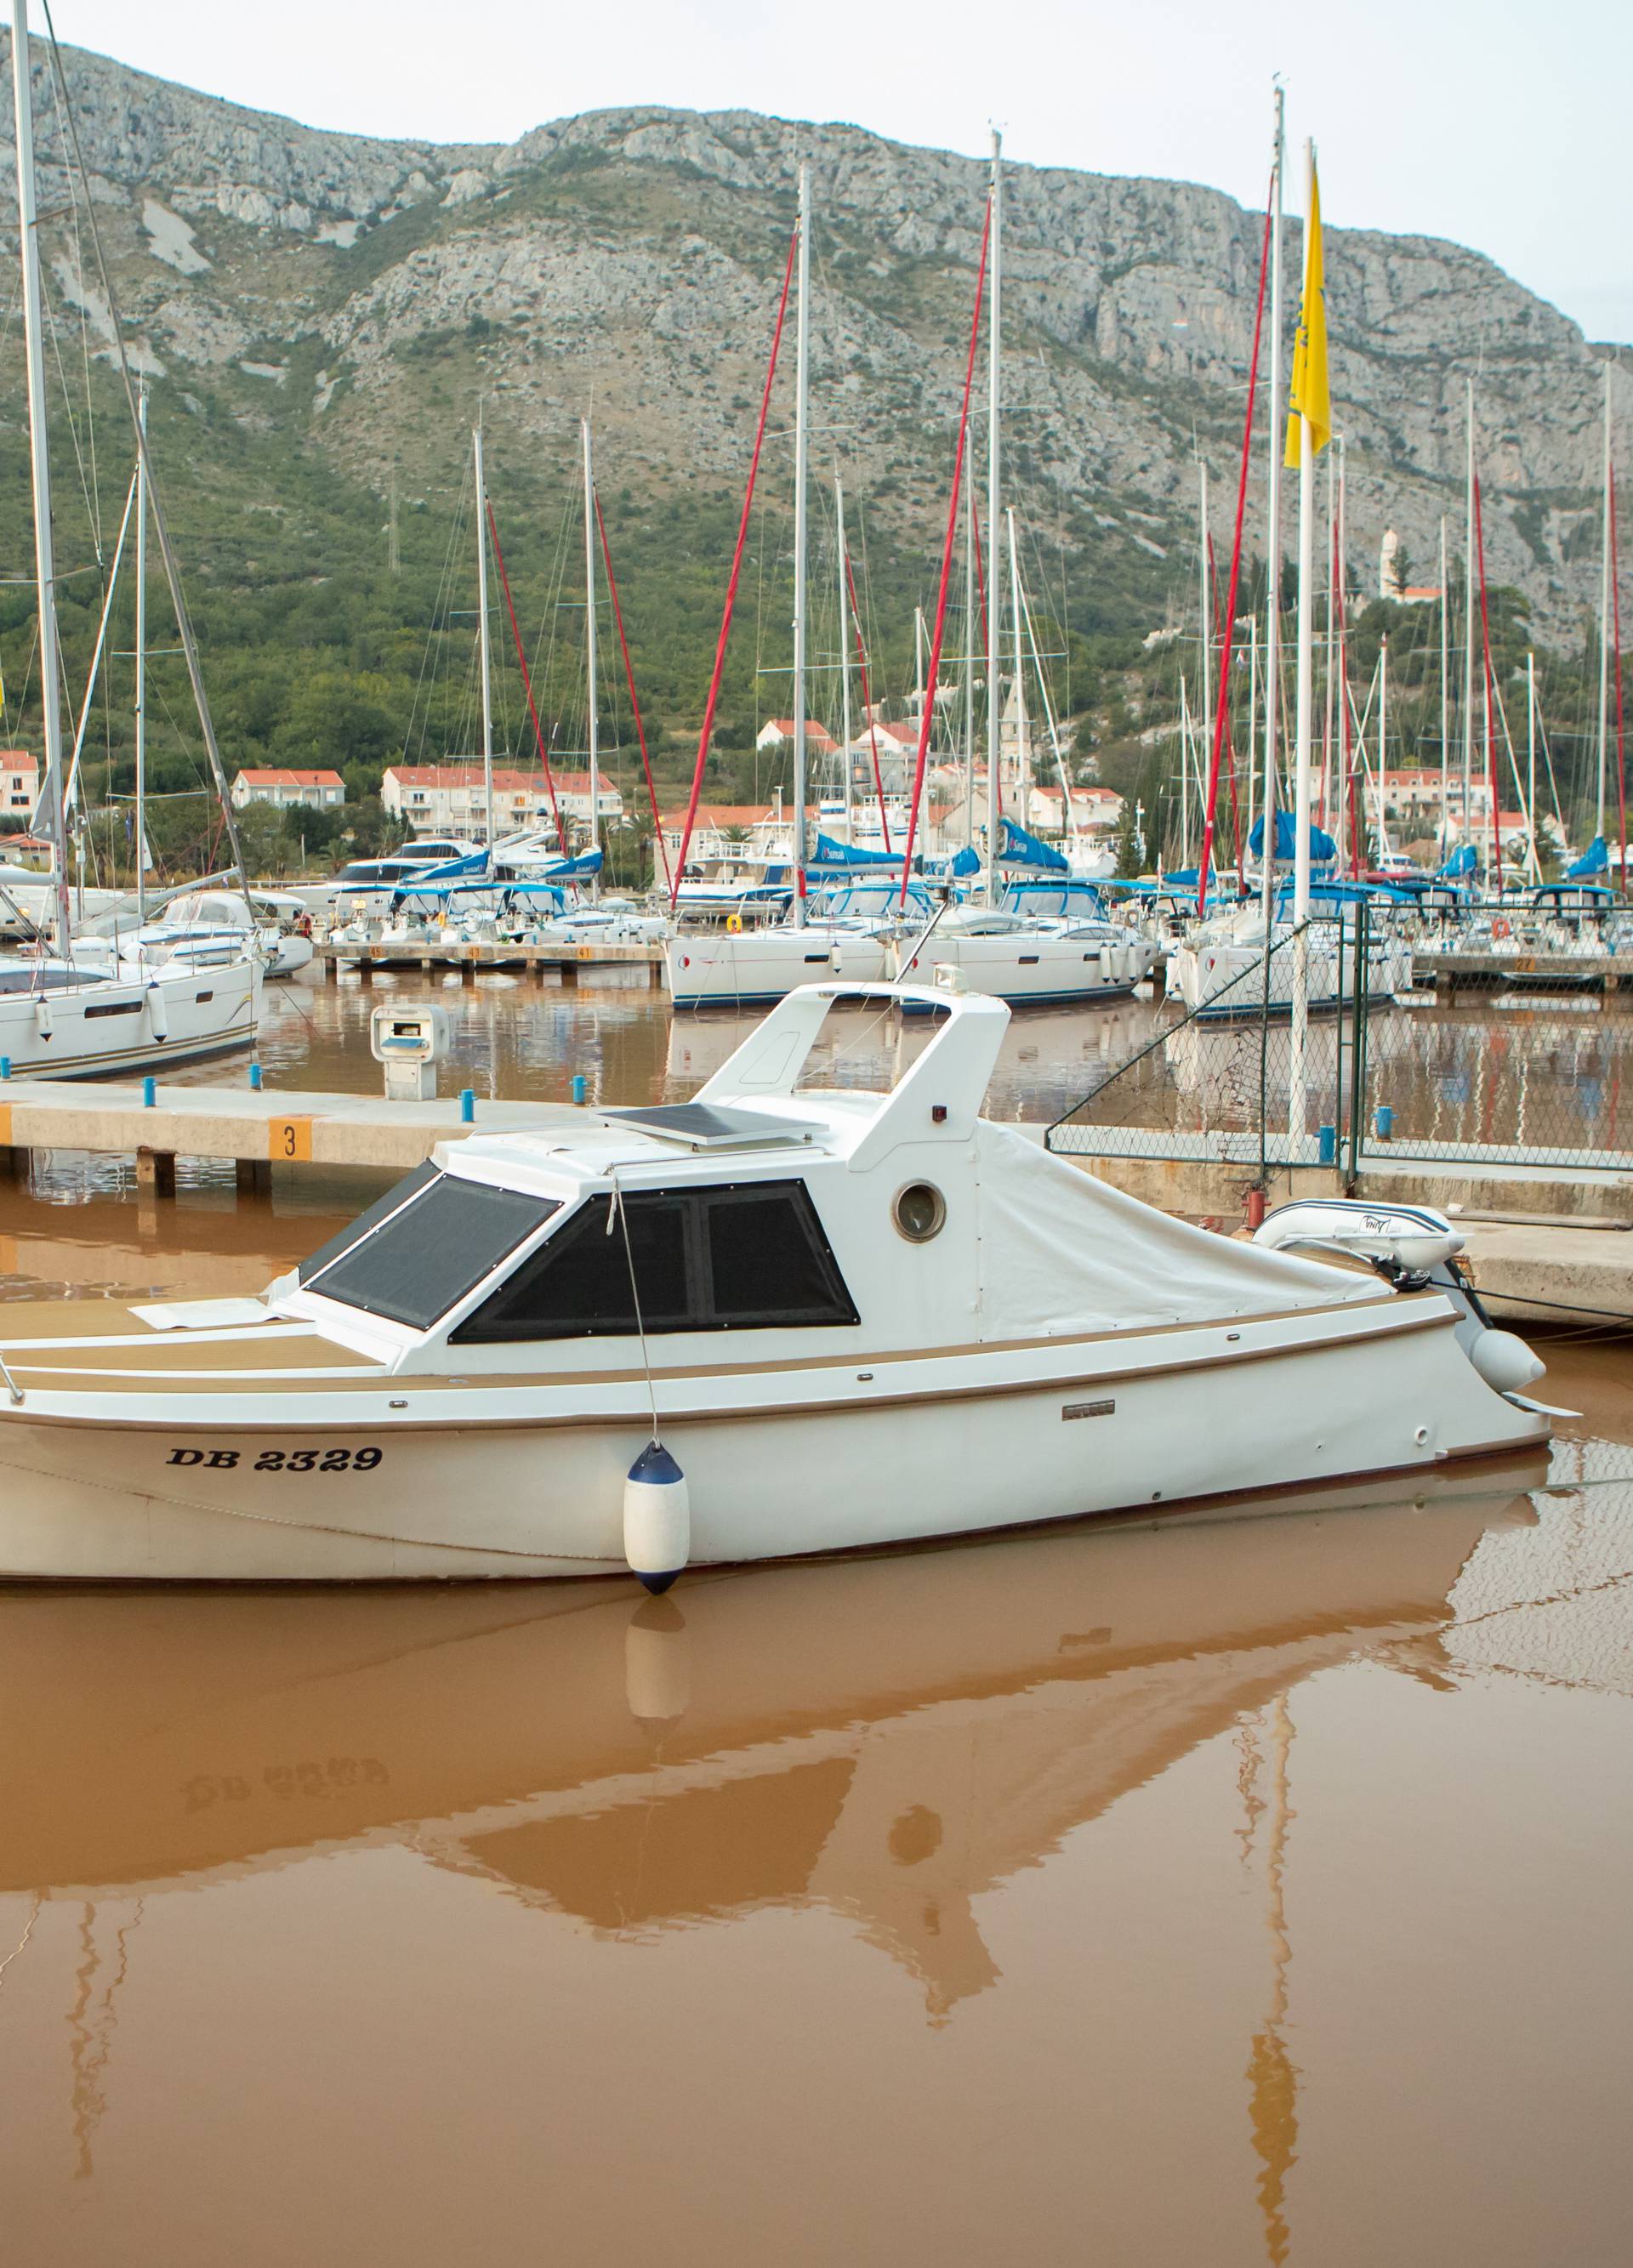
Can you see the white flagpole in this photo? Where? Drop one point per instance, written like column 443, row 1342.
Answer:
column 1303, row 721
column 1273, row 626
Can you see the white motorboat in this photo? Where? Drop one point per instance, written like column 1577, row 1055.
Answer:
column 608, row 921
column 848, row 931
column 851, row 1318
column 1027, row 961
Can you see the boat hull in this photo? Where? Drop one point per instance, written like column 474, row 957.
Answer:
column 80, row 1031
column 525, row 1480
column 755, row 968
column 1218, row 981
column 1045, row 970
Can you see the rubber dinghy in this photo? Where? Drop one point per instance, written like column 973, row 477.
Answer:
column 851, row 1319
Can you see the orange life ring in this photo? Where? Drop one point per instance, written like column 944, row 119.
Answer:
column 1500, row 926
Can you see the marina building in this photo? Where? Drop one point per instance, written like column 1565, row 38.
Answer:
column 19, row 780
column 451, row 799
column 312, row 791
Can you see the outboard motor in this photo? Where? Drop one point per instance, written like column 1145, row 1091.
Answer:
column 1412, row 1248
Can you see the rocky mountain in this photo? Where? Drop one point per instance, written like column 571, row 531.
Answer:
column 354, row 296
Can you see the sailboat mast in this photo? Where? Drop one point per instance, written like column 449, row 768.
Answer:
column 1252, row 742
column 844, row 652
column 994, row 332
column 1445, row 689
column 1604, row 628
column 141, row 668
column 1022, row 750
column 1468, row 624
column 1273, row 625
column 1531, row 763
column 590, row 680
column 801, row 388
column 1332, row 786
column 1383, row 740
column 1205, row 721
column 482, row 642
column 49, row 816
column 971, row 537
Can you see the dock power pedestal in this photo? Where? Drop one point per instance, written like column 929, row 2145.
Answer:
column 411, row 1042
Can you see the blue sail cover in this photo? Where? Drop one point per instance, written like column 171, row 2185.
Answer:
column 568, row 870
column 1462, row 862
column 548, row 895
column 1323, row 849
column 1594, row 860
column 453, row 870
column 1017, row 848
column 830, row 858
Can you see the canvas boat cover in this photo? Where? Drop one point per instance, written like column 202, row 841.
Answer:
column 1062, row 1253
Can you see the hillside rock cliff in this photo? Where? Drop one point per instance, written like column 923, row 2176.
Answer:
column 358, row 292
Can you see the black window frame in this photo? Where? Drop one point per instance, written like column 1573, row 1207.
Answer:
column 488, row 1324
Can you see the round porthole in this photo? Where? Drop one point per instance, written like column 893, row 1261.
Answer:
column 919, row 1211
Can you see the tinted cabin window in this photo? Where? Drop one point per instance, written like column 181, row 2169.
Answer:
column 746, row 1255
column 398, row 1193
column 769, row 1262
column 577, row 1284
column 425, row 1257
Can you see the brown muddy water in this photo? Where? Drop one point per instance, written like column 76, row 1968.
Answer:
column 1221, row 1891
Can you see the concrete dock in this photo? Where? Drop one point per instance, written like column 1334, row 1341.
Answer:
column 1564, row 972
column 1532, row 1271
column 255, row 1128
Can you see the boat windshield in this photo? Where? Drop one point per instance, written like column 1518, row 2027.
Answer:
column 426, row 1243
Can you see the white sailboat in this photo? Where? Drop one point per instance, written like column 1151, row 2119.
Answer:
column 1253, row 958
column 67, row 1014
column 848, row 931
column 1030, row 952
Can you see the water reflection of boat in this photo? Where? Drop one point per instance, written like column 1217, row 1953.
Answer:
column 1222, row 1066
column 887, row 1738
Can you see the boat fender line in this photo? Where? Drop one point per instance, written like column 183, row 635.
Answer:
column 657, row 1518
column 158, row 1010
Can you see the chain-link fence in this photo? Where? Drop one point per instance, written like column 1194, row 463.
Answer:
column 1515, row 1049
column 1233, row 1075
column 1500, row 1045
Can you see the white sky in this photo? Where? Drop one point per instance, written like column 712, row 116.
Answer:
column 1503, row 126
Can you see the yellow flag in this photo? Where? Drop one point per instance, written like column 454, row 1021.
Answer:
column 1310, row 397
